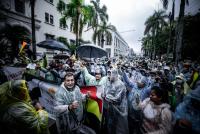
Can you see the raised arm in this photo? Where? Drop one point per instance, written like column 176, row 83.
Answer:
column 127, row 81
column 87, row 76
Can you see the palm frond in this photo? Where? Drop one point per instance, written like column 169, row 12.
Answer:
column 165, row 3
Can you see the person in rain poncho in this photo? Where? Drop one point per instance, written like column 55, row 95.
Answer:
column 180, row 89
column 94, row 80
column 187, row 114
column 69, row 98
column 167, row 74
column 115, row 105
column 186, row 71
column 139, row 91
column 18, row 116
column 157, row 117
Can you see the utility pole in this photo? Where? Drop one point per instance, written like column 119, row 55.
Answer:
column 33, row 27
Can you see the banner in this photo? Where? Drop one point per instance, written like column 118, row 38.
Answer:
column 47, row 99
column 13, row 73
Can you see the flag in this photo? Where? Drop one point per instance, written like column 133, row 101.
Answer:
column 93, row 108
column 94, row 103
column 22, row 47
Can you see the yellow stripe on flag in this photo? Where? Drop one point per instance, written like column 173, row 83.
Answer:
column 93, row 108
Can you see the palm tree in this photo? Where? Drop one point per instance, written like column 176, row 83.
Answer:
column 103, row 33
column 146, row 45
column 99, row 15
column 180, row 26
column 171, row 25
column 78, row 13
column 153, row 26
column 72, row 47
column 179, row 31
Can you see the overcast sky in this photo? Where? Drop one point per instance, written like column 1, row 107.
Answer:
column 129, row 15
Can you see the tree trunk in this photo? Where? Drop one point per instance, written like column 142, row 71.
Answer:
column 77, row 27
column 102, row 41
column 179, row 42
column 155, row 39
column 151, row 48
column 154, row 51
column 170, row 33
column 180, row 26
column 174, row 45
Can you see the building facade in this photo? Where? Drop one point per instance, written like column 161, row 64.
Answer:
column 46, row 12
column 118, row 47
column 47, row 24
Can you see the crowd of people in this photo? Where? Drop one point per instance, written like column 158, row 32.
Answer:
column 139, row 96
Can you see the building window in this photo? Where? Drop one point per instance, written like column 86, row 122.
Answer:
column 108, row 50
column 63, row 26
column 72, row 41
column 63, row 23
column 51, row 19
column 108, row 42
column 20, row 6
column 49, row 36
column 48, row 18
column 50, row 1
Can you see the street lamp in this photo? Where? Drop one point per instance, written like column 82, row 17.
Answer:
column 127, row 31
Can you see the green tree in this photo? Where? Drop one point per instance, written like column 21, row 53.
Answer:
column 99, row 15
column 179, row 30
column 154, row 25
column 63, row 40
column 78, row 14
column 103, row 33
column 191, row 38
column 147, row 46
column 171, row 25
column 179, row 27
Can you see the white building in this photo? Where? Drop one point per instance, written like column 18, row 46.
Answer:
column 46, row 11
column 18, row 12
column 119, row 47
column 116, row 48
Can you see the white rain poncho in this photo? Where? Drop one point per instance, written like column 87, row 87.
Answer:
column 157, row 119
column 91, row 80
column 65, row 97
column 115, row 105
column 66, row 119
